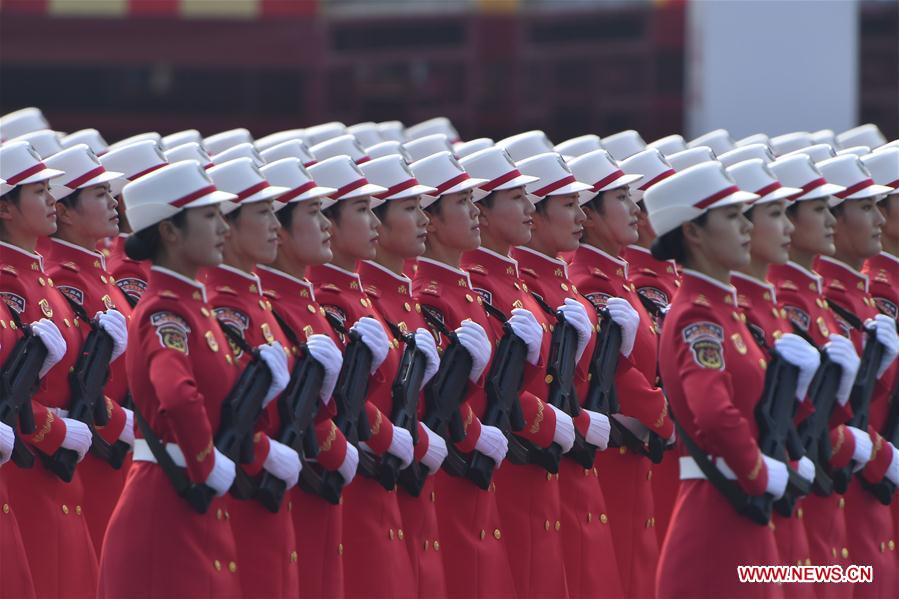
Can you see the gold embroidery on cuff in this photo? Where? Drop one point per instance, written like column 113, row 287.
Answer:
column 332, row 434
column 538, row 419
column 376, row 428
column 48, row 423
column 841, row 436
column 754, row 473
column 205, row 453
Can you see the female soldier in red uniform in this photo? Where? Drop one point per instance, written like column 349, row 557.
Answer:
column 45, row 506
column 376, row 559
column 85, row 216
column 180, row 370
column 401, row 237
column 714, row 376
column 303, row 241
column 266, row 543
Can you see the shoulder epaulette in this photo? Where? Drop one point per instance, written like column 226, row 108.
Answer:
column 836, row 284
column 597, row 272
column 528, row 271
column 648, row 271
column 701, row 300
column 168, row 294
column 789, row 285
column 477, row 268
column 9, row 269
column 431, row 288
column 70, row 266
column 372, row 290
column 329, row 287
column 225, row 289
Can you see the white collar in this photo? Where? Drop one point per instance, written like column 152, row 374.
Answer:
column 399, row 277
column 890, row 256
column 280, row 273
column 177, row 275
column 704, row 277
column 92, row 254
column 458, row 271
column 846, row 267
column 615, row 259
column 498, row 256
column 34, row 256
column 561, row 263
column 735, row 274
column 808, row 273
column 346, row 272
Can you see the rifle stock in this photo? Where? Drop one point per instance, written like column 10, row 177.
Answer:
column 19, row 379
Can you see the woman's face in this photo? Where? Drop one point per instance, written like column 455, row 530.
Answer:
column 404, row 230
column 889, row 208
column 308, row 239
column 34, row 214
column 202, row 239
column 771, row 232
column 454, row 222
column 93, row 216
column 355, row 232
column 560, row 223
column 725, row 237
column 254, row 233
column 510, row 216
column 617, row 219
column 858, row 228
column 813, row 224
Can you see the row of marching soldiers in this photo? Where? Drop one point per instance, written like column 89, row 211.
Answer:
column 381, row 361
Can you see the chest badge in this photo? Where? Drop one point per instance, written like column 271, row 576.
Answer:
column 211, row 341
column 46, row 310
column 107, row 301
column 822, row 327
column 267, row 333
column 739, row 344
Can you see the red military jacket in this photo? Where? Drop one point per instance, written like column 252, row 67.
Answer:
column 340, row 293
column 293, row 300
column 600, row 276
column 130, row 276
column 180, row 366
column 714, row 375
column 81, row 275
column 656, row 280
column 27, row 290
column 849, row 289
column 883, row 274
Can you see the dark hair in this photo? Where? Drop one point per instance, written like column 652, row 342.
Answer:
column 837, row 210
column 232, row 216
column 381, row 211
column 435, row 208
column 671, row 245
column 792, row 209
column 146, row 243
column 285, row 215
column 13, row 195
column 332, row 212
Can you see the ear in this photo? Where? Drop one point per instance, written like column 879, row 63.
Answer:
column 692, row 233
column 63, row 214
column 169, row 233
column 6, row 209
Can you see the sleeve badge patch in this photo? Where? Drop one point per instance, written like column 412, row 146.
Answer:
column 132, row 287
column 598, row 299
column 886, row 307
column 435, row 314
column 705, row 340
column 14, row 301
column 73, row 293
column 798, row 317
column 172, row 331
column 655, row 295
column 485, row 295
column 235, row 319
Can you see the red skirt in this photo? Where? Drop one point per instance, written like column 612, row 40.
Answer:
column 423, row 541
column 472, row 541
column 589, row 551
column 54, row 532
column 870, row 531
column 15, row 575
column 706, row 541
column 157, row 546
column 825, row 528
column 627, row 487
column 376, row 560
column 102, row 487
column 792, row 546
column 665, row 481
column 318, row 526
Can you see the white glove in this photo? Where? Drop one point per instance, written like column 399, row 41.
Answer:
column 777, row 477
column 526, row 327
column 7, row 440
column 576, row 314
column 564, row 433
column 425, row 342
column 841, row 351
column 222, row 475
column 283, row 462
column 493, row 444
column 127, row 434
column 806, row 469
column 374, row 338
column 800, row 353
column 323, row 349
column 893, row 470
column 275, row 358
column 885, row 332
column 436, row 452
column 598, row 431
column 474, row 339
column 401, row 446
column 113, row 322
column 47, row 331
column 624, row 314
column 863, row 447
column 347, row 469
column 78, row 437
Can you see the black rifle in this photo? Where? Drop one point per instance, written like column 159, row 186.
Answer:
column 88, row 404
column 19, row 379
column 444, row 395
column 349, row 397
column 297, row 407
column 602, row 395
column 405, row 392
column 885, row 489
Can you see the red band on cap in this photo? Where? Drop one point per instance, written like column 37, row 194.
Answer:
column 813, row 184
column 310, row 163
column 607, row 179
column 441, row 189
column 180, row 202
column 768, row 189
column 893, row 184
column 33, row 170
column 545, row 191
column 74, row 183
column 706, row 202
column 252, row 190
column 363, row 160
column 342, row 191
column 146, row 171
column 395, row 189
column 494, row 183
column 295, row 193
column 854, row 188
column 656, row 179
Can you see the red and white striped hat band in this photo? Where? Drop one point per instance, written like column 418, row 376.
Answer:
column 494, row 183
column 395, row 189
column 32, row 170
column 660, row 177
column 295, row 193
column 548, row 189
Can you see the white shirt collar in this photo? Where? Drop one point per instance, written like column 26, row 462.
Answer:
column 560, row 263
column 401, row 278
column 750, row 279
column 890, row 256
column 458, row 271
column 177, row 275
column 34, row 256
column 91, row 253
column 615, row 259
column 704, row 277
